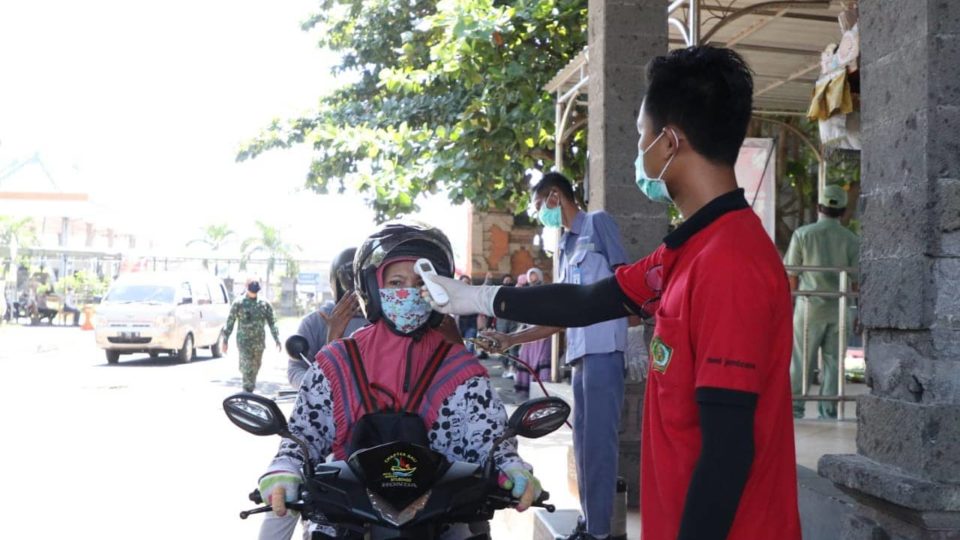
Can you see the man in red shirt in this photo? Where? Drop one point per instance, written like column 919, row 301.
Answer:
column 718, row 458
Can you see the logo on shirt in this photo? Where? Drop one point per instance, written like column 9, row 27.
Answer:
column 661, row 353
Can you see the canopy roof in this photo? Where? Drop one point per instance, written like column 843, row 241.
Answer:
column 781, row 40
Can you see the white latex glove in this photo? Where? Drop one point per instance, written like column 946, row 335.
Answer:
column 464, row 299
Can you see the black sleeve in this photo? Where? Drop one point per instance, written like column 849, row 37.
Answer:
column 726, row 423
column 564, row 305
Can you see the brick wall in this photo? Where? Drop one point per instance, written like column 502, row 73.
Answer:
column 500, row 246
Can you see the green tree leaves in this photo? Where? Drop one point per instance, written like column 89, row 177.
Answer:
column 443, row 96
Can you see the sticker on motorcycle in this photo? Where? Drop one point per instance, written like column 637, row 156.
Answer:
column 399, row 470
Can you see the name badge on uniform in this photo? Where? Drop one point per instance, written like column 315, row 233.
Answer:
column 575, row 275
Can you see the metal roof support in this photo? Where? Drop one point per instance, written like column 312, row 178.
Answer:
column 817, row 150
column 779, row 113
column 756, row 27
column 795, row 75
column 832, row 20
column 557, row 145
column 767, row 49
column 763, row 5
column 566, row 101
column 691, row 30
column 693, row 20
column 793, row 129
column 681, row 28
column 572, row 93
column 565, row 104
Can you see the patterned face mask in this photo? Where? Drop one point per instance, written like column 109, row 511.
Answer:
column 405, row 308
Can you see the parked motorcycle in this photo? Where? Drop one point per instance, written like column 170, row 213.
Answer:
column 397, row 490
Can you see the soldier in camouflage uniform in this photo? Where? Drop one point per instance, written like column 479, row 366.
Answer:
column 251, row 338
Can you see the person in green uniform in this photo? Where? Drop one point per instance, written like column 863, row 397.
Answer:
column 816, row 319
column 252, row 313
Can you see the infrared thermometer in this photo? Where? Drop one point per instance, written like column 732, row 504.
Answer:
column 423, row 267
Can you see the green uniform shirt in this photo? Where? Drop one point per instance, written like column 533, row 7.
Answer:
column 252, row 314
column 824, row 243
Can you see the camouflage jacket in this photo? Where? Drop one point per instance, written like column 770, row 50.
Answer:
column 250, row 315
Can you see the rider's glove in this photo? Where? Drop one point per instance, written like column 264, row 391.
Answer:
column 522, row 484
column 290, row 482
column 464, row 299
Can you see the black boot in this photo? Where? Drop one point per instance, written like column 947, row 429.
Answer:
column 580, row 532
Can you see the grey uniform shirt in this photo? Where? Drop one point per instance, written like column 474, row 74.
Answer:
column 589, row 251
column 314, row 328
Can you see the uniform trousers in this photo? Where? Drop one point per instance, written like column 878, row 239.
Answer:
column 597, row 400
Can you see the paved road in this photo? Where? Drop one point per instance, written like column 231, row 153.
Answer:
column 142, row 449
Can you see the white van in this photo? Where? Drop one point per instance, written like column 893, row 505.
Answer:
column 162, row 312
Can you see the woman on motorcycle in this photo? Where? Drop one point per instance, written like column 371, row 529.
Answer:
column 407, row 364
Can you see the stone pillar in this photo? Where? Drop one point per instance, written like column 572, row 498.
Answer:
column 624, row 36
column 906, row 473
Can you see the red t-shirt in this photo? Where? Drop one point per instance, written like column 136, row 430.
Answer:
column 723, row 320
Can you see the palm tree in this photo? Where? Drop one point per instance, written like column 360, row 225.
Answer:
column 270, row 243
column 214, row 237
column 16, row 233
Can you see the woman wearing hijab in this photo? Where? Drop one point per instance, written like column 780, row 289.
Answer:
column 535, row 354
column 461, row 413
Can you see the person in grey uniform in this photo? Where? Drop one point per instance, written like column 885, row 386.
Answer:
column 590, row 250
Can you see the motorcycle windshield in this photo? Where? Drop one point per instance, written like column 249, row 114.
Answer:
column 400, row 472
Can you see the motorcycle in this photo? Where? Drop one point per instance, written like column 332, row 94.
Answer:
column 397, row 490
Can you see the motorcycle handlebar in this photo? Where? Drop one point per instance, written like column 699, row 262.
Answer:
column 259, row 510
column 507, row 500
column 257, row 499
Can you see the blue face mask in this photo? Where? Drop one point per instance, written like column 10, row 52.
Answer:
column 550, row 217
column 654, row 188
column 405, row 308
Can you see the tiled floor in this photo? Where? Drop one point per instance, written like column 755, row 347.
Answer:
column 549, row 455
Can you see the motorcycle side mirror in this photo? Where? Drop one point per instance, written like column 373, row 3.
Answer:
column 261, row 416
column 538, row 417
column 533, row 419
column 297, row 346
column 255, row 414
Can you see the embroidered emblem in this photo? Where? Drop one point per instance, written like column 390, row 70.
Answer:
column 660, row 353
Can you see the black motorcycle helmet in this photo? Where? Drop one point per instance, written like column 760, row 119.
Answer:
column 341, row 273
column 398, row 239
